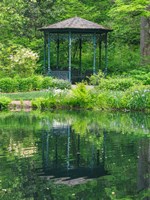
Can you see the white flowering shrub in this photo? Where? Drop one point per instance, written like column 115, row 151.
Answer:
column 17, row 60
column 23, row 62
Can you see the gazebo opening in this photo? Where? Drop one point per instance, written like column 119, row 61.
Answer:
column 65, row 43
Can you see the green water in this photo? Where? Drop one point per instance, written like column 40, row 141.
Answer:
column 74, row 156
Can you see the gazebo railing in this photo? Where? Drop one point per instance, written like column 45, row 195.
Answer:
column 75, row 77
column 60, row 74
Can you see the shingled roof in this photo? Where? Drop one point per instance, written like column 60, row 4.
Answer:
column 75, row 24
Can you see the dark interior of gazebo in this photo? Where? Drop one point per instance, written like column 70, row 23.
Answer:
column 76, row 35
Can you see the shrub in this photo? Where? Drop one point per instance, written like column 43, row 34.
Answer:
column 17, row 60
column 4, row 103
column 36, row 82
column 32, row 83
column 137, row 98
column 61, row 84
column 47, row 83
column 24, row 84
column 23, row 61
column 145, row 78
column 113, row 83
column 8, row 85
column 96, row 78
column 118, row 84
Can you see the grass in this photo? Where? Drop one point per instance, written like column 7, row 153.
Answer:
column 26, row 95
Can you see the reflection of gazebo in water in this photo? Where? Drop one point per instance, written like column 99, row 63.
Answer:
column 78, row 30
column 68, row 159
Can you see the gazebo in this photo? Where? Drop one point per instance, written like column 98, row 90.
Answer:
column 79, row 30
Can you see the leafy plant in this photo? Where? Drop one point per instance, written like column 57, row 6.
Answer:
column 4, row 103
column 80, row 96
column 61, row 84
column 118, row 84
column 8, row 85
column 137, row 98
column 47, row 82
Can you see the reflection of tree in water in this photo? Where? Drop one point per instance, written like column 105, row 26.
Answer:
column 144, row 167
column 22, row 181
column 68, row 156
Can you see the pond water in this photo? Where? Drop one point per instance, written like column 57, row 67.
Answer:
column 74, row 155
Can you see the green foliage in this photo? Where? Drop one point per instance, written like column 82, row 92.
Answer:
column 36, row 104
column 123, row 57
column 25, row 84
column 132, row 6
column 137, row 98
column 80, row 96
column 8, row 85
column 96, row 78
column 141, row 75
column 26, row 95
column 117, row 84
column 21, row 42
column 47, row 82
column 36, row 82
column 126, row 19
column 23, row 62
column 134, row 98
column 4, row 103
column 32, row 83
column 29, row 84
column 61, row 84
column 17, row 60
column 101, row 100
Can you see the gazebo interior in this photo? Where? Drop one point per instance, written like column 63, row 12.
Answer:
column 67, row 45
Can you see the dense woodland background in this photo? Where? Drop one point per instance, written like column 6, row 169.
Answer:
column 21, row 42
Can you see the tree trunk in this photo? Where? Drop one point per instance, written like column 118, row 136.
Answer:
column 145, row 39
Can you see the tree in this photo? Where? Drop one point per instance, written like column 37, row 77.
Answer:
column 134, row 8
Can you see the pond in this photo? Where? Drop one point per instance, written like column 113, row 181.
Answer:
column 74, row 156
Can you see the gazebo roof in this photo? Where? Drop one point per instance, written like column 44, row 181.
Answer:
column 75, row 24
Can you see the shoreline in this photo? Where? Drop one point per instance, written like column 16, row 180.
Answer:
column 26, row 106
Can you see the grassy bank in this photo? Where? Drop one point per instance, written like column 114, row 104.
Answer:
column 134, row 98
column 127, row 93
column 83, row 98
column 26, row 95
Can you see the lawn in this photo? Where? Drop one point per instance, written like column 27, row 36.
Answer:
column 26, row 95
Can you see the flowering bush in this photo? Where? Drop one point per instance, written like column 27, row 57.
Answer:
column 17, row 60
column 23, row 62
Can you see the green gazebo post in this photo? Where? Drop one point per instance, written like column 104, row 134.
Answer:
column 106, row 54
column 100, row 52
column 80, row 28
column 70, row 56
column 49, row 56
column 94, row 53
column 80, row 56
column 58, row 46
column 44, row 66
